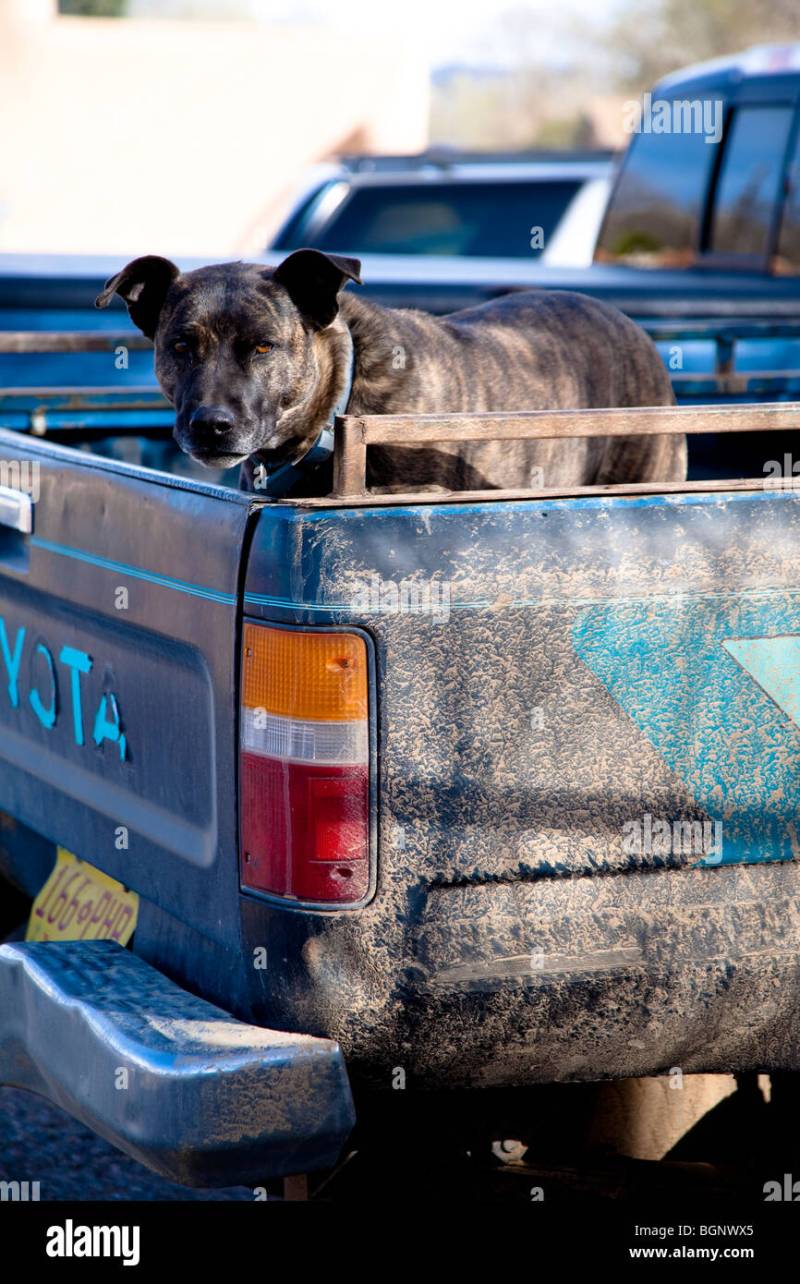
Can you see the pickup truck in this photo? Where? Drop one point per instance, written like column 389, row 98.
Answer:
column 351, row 825
column 374, row 813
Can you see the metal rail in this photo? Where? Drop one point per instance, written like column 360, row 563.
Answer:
column 78, row 408
column 43, row 341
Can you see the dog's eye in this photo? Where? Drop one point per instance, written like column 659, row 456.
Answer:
column 181, row 346
column 263, row 348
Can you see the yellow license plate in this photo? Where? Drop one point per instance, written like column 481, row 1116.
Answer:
column 80, row 903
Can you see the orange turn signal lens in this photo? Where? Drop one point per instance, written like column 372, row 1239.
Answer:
column 305, row 675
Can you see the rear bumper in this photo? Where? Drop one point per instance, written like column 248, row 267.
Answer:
column 175, row 1082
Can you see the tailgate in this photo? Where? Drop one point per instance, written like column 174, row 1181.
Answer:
column 588, row 777
column 118, row 671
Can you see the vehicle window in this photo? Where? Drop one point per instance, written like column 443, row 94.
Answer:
column 787, row 259
column 292, row 234
column 656, row 210
column 749, row 180
column 488, row 218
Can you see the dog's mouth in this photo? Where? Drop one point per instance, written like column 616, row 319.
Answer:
column 210, row 453
column 269, row 445
column 215, row 459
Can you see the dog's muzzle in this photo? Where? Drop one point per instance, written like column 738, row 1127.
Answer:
column 209, row 437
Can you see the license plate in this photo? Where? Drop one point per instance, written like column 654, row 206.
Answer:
column 80, row 903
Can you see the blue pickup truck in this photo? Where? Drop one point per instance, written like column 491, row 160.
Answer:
column 391, row 799
column 340, row 823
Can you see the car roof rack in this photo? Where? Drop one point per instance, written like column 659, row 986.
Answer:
column 443, row 157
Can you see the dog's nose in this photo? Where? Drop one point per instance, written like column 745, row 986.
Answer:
column 212, row 421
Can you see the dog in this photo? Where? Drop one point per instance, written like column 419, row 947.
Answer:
column 257, row 361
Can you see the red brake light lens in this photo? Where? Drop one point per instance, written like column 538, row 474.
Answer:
column 305, row 765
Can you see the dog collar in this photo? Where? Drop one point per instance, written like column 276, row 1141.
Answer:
column 277, row 482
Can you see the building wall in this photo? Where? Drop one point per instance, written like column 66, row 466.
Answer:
column 127, row 135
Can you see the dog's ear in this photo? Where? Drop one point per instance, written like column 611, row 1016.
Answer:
column 313, row 281
column 143, row 284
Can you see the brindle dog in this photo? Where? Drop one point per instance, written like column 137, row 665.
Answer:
column 255, row 361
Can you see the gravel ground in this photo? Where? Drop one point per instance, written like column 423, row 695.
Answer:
column 40, row 1143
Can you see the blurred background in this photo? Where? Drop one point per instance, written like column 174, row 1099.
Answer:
column 190, row 126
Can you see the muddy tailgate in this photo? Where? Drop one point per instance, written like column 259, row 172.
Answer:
column 118, row 665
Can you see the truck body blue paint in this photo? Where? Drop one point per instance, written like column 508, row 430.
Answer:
column 691, row 675
column 134, row 572
column 774, row 663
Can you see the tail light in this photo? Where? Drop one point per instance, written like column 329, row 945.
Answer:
column 305, row 765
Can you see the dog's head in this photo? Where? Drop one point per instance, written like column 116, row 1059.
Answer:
column 237, row 347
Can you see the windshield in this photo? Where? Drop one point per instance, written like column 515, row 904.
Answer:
column 489, row 218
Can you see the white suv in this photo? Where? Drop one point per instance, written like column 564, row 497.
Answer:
column 543, row 206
